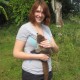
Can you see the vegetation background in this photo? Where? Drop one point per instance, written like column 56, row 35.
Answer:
column 66, row 64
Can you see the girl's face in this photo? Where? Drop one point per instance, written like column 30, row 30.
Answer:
column 39, row 15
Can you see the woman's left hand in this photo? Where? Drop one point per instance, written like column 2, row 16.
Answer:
column 45, row 44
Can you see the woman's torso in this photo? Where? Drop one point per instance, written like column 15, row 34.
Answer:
column 28, row 34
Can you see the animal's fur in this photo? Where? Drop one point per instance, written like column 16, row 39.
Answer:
column 46, row 51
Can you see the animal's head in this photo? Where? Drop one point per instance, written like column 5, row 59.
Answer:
column 40, row 38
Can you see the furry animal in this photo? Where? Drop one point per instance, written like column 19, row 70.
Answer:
column 46, row 51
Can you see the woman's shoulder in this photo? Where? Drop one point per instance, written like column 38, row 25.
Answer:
column 27, row 28
column 26, row 25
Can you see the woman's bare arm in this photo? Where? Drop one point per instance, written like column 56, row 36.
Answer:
column 19, row 53
column 54, row 45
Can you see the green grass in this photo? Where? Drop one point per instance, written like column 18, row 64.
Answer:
column 66, row 64
column 68, row 58
column 10, row 68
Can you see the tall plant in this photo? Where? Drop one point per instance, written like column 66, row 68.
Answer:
column 2, row 9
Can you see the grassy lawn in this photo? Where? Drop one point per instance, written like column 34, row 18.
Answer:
column 10, row 68
column 66, row 64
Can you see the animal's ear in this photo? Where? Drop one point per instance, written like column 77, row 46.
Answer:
column 40, row 38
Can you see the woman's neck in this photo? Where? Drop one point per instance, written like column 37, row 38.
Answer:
column 38, row 25
column 38, row 28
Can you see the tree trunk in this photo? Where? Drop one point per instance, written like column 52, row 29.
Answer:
column 57, row 8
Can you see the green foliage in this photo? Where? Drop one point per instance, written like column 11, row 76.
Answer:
column 20, row 10
column 75, row 17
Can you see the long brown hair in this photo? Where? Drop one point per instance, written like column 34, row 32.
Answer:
column 46, row 12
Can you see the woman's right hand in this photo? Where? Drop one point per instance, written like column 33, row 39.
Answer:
column 43, row 57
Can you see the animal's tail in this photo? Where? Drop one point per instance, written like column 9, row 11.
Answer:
column 45, row 70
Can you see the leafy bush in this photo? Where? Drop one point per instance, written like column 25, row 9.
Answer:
column 20, row 10
column 75, row 17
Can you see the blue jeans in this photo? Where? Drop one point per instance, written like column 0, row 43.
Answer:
column 30, row 76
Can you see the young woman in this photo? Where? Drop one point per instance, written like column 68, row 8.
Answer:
column 39, row 19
